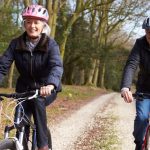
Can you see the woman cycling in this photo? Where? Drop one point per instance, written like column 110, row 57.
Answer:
column 139, row 57
column 37, row 59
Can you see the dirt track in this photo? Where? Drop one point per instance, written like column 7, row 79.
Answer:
column 124, row 123
column 73, row 130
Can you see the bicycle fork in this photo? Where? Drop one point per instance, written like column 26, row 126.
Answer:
column 18, row 142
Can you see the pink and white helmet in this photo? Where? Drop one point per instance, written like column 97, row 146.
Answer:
column 35, row 11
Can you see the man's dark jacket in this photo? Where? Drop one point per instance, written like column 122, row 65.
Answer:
column 139, row 57
column 40, row 67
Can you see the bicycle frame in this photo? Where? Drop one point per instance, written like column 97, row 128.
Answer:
column 19, row 124
column 20, row 127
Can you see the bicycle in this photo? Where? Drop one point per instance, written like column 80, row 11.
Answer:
column 21, row 120
column 146, row 143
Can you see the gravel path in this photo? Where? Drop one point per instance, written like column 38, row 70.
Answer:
column 67, row 132
column 125, row 123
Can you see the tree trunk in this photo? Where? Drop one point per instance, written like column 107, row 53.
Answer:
column 10, row 76
column 102, row 75
column 78, row 76
column 96, row 71
column 7, row 4
column 66, row 33
column 40, row 2
column 52, row 7
column 49, row 5
column 26, row 3
column 90, row 73
column 68, row 74
column 54, row 18
column 81, row 6
column 81, row 79
column 102, row 36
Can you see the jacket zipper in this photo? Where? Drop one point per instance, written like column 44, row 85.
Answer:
column 31, row 71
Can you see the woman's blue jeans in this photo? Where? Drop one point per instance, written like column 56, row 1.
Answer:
column 141, row 120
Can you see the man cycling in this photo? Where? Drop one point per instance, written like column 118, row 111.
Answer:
column 139, row 57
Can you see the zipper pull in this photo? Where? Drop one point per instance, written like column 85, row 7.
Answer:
column 31, row 53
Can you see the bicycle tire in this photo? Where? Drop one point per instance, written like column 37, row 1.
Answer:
column 147, row 147
column 49, row 139
column 7, row 144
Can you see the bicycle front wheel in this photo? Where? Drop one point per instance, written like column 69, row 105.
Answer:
column 7, row 144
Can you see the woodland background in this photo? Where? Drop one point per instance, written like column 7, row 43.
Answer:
column 95, row 36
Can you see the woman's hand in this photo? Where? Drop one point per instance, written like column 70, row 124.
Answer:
column 46, row 90
column 127, row 95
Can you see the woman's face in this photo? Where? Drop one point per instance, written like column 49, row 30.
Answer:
column 33, row 27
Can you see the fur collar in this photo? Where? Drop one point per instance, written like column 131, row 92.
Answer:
column 41, row 46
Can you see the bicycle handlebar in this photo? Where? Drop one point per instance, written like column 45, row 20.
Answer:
column 28, row 94
column 21, row 95
column 140, row 95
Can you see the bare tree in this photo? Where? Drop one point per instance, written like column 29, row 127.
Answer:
column 52, row 7
column 26, row 2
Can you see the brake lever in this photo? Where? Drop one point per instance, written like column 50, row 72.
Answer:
column 35, row 95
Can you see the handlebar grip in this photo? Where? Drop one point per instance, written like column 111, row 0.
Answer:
column 140, row 96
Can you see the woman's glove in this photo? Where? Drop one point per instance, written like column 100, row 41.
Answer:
column 127, row 95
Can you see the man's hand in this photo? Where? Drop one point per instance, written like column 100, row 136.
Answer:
column 127, row 95
column 46, row 90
